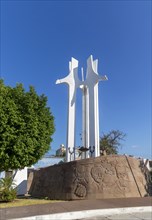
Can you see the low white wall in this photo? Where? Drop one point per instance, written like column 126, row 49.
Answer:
column 20, row 180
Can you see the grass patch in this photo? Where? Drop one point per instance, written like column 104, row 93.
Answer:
column 25, row 202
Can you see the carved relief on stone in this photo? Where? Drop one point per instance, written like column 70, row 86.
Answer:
column 123, row 178
column 81, row 174
column 109, row 180
column 90, row 178
column 97, row 173
column 80, row 171
column 80, row 190
column 122, row 172
column 80, row 181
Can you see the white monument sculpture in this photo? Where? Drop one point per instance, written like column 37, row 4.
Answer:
column 90, row 109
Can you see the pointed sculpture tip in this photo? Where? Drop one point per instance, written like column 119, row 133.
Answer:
column 106, row 78
column 74, row 63
column 74, row 60
column 57, row 81
column 90, row 58
column 103, row 78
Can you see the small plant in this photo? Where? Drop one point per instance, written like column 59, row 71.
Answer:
column 7, row 192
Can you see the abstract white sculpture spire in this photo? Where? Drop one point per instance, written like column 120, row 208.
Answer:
column 90, row 109
column 73, row 83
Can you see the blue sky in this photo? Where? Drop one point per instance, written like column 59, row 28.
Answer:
column 38, row 39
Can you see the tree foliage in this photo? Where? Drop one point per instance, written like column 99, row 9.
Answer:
column 26, row 126
column 110, row 143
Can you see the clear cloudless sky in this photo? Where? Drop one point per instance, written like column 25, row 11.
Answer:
column 38, row 39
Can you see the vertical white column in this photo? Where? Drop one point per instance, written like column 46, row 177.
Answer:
column 85, row 121
column 85, row 117
column 97, row 141
column 91, row 82
column 73, row 83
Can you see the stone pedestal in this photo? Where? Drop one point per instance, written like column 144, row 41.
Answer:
column 92, row 178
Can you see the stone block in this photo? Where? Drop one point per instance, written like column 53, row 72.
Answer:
column 93, row 178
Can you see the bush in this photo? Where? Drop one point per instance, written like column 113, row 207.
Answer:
column 7, row 192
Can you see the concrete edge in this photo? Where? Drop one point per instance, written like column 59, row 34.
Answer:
column 88, row 213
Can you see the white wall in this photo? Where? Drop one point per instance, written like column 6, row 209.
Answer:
column 20, row 179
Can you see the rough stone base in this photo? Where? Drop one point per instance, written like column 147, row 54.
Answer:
column 93, row 178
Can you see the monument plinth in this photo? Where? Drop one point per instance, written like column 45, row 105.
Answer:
column 93, row 178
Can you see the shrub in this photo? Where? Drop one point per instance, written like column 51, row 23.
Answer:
column 7, row 192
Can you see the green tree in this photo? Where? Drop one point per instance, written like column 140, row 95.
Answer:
column 110, row 143
column 26, row 126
